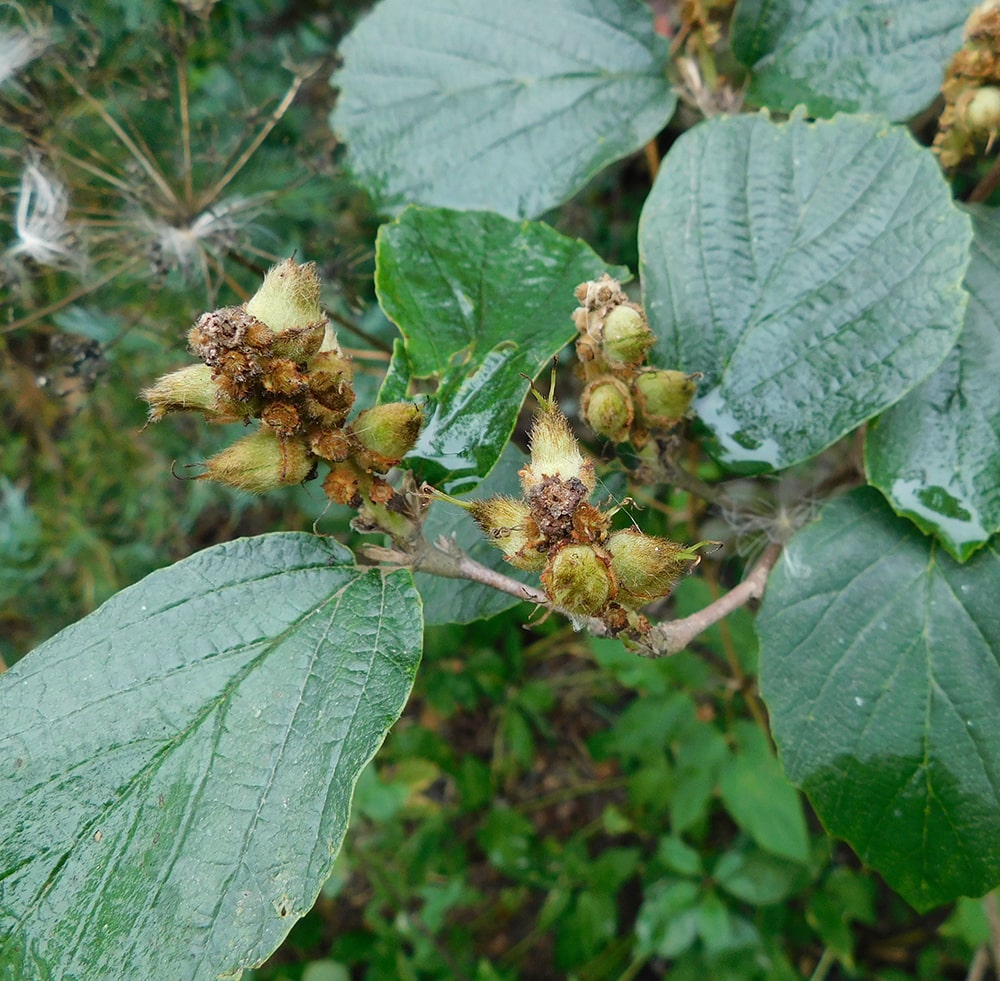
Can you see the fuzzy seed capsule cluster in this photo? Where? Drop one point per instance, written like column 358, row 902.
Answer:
column 624, row 399
column 586, row 568
column 970, row 119
column 275, row 359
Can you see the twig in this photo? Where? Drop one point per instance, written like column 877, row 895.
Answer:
column 980, row 964
column 671, row 638
column 985, row 188
column 992, row 911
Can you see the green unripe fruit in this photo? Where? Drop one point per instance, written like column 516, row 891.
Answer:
column 555, row 452
column 192, row 389
column 626, row 338
column 288, row 297
column 508, row 525
column 388, row 431
column 299, row 343
column 607, row 407
column 260, row 462
column 578, row 579
column 646, row 567
column 664, row 396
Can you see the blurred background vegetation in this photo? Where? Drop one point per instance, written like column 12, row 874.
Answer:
column 549, row 805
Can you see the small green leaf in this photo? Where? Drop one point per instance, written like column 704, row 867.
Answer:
column 812, row 272
column 847, row 55
column 508, row 107
column 178, row 767
column 879, row 665
column 480, row 301
column 667, row 922
column 757, row 877
column 760, row 799
column 936, row 454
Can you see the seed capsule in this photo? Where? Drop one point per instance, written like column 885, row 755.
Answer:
column 192, row 389
column 646, row 567
column 288, row 297
column 664, row 396
column 388, row 431
column 260, row 462
column 555, row 452
column 508, row 525
column 607, row 407
column 626, row 338
column 578, row 579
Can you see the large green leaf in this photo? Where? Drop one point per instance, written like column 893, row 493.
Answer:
column 812, row 271
column 851, row 55
column 936, row 454
column 177, row 768
column 509, row 107
column 880, row 665
column 480, row 301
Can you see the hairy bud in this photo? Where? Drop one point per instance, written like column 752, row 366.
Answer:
column 509, row 525
column 555, row 452
column 288, row 297
column 607, row 408
column 388, row 432
column 260, row 462
column 578, row 579
column 646, row 567
column 665, row 396
column 626, row 338
column 192, row 389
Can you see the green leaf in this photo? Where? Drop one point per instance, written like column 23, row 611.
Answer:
column 178, row 766
column 757, row 877
column 760, row 799
column 667, row 922
column 480, row 301
column 20, row 541
column 856, row 56
column 461, row 600
column 812, row 272
column 879, row 665
column 936, row 454
column 509, row 107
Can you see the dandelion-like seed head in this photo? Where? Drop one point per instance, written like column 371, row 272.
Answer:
column 41, row 221
column 20, row 45
column 186, row 247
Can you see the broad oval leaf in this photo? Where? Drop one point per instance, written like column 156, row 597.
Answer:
column 880, row 666
column 812, row 272
column 936, row 454
column 847, row 55
column 509, row 107
column 480, row 301
column 178, row 766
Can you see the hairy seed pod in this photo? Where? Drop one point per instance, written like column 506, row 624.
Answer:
column 578, row 579
column 288, row 297
column 260, row 462
column 607, row 408
column 508, row 524
column 626, row 338
column 331, row 444
column 646, row 567
column 664, row 396
column 555, row 452
column 192, row 389
column 343, row 485
column 388, row 431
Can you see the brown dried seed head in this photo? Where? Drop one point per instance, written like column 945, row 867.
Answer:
column 282, row 417
column 282, row 376
column 342, row 486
